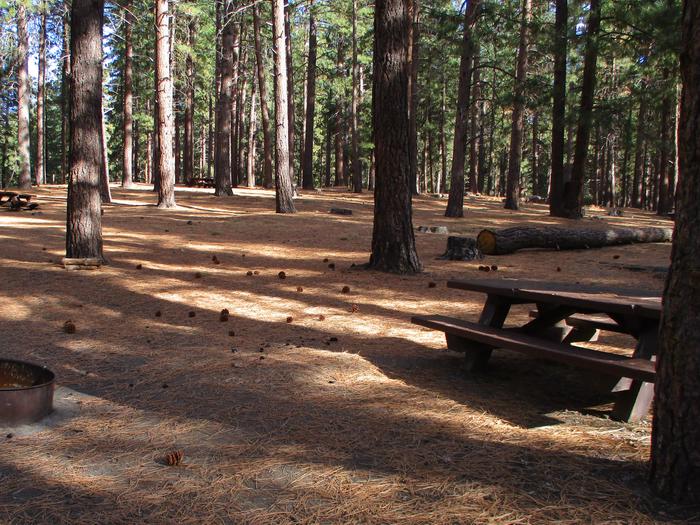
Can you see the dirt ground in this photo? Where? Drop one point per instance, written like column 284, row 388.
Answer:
column 332, row 416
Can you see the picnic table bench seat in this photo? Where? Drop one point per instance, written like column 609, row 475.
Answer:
column 511, row 339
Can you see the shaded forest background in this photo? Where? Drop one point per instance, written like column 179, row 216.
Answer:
column 631, row 152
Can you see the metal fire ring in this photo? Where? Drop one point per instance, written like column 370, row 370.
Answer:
column 26, row 392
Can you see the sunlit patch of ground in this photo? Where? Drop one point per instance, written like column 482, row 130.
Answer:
column 345, row 414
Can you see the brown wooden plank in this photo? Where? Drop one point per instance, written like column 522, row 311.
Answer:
column 612, row 364
column 587, row 299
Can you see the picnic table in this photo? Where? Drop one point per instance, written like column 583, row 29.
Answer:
column 17, row 201
column 569, row 313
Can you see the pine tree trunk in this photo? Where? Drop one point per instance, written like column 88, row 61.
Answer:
column 188, row 153
column 556, row 192
column 573, row 191
column 291, row 116
column 105, row 193
column 638, row 175
column 393, row 241
column 413, row 38
column 329, row 135
column 665, row 194
column 339, row 132
column 149, row 159
column 339, row 120
column 40, row 166
column 83, row 223
column 136, row 145
column 127, row 152
column 356, row 167
column 237, row 98
column 25, row 176
column 222, row 172
column 455, row 202
column 252, row 128
column 166, row 162
column 284, row 189
column 474, row 126
column 675, row 463
column 264, row 112
column 307, row 161
column 442, row 173
column 65, row 81
column 241, row 175
column 515, row 155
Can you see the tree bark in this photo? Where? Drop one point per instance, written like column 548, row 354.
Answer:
column 65, row 81
column 665, row 193
column 509, row 240
column 556, row 192
column 328, row 132
column 222, row 172
column 83, row 222
column 40, row 165
column 284, row 189
column 573, row 191
column 339, row 120
column 675, row 461
column 393, row 241
column 515, row 155
column 307, row 163
column 474, row 125
column 188, row 152
column 127, row 153
column 164, row 94
column 264, row 112
column 413, row 38
column 638, row 175
column 455, row 202
column 252, row 128
column 291, row 116
column 105, row 193
column 25, row 176
column 356, row 167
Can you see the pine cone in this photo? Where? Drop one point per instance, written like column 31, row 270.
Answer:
column 174, row 458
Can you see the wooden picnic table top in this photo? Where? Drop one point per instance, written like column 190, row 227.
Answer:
column 593, row 299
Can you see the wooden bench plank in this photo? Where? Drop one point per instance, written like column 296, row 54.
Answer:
column 596, row 322
column 611, row 364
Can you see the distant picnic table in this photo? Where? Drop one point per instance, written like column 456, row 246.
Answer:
column 564, row 314
column 16, row 200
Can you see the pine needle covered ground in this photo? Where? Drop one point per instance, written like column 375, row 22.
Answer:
column 307, row 403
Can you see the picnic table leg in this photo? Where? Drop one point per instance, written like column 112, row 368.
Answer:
column 476, row 355
column 636, row 396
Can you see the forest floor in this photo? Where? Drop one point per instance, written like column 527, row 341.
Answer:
column 338, row 416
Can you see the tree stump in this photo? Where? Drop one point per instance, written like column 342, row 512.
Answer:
column 509, row 240
column 461, row 249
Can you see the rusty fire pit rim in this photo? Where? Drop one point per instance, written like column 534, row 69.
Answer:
column 52, row 375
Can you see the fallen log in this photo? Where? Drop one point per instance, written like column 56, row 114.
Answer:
column 509, row 240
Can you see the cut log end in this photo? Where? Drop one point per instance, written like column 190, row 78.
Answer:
column 486, row 242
